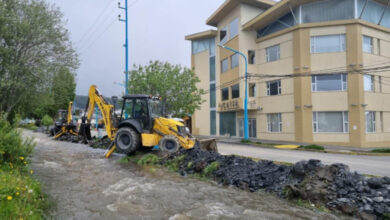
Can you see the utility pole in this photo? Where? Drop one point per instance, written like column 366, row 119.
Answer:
column 126, row 44
column 246, row 135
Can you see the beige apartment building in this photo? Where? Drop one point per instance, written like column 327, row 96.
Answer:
column 319, row 71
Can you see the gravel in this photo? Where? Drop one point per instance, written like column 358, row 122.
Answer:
column 334, row 186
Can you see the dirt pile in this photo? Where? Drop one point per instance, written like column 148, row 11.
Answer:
column 331, row 185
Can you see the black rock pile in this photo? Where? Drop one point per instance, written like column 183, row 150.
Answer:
column 331, row 185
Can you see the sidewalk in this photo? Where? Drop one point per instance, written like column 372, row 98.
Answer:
column 269, row 144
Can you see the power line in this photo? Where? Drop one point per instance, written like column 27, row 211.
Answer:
column 95, row 22
column 366, row 71
column 99, row 36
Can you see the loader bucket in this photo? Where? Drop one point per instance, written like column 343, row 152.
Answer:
column 208, row 144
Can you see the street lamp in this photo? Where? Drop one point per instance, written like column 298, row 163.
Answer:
column 246, row 136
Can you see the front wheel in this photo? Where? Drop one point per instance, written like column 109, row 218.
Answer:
column 127, row 140
column 169, row 143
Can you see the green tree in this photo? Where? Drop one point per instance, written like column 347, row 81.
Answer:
column 176, row 85
column 64, row 87
column 47, row 121
column 34, row 48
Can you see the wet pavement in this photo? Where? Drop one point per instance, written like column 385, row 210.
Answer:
column 82, row 184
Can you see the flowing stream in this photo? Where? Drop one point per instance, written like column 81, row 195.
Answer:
column 82, row 184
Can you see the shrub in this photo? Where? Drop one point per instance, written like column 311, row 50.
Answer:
column 13, row 149
column 47, row 121
column 381, row 150
column 20, row 194
column 312, row 147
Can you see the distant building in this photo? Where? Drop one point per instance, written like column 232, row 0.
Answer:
column 319, row 71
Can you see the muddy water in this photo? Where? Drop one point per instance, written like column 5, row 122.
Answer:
column 84, row 185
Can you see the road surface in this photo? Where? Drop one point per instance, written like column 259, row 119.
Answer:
column 373, row 165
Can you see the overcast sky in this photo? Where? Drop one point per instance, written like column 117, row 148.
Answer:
column 156, row 32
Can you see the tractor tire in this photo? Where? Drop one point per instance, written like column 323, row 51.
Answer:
column 169, row 143
column 127, row 140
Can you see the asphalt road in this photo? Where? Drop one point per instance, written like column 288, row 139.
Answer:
column 374, row 165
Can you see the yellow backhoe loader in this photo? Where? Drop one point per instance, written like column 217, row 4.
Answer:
column 64, row 124
column 140, row 124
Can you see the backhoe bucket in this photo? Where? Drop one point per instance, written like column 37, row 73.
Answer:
column 85, row 131
column 208, row 144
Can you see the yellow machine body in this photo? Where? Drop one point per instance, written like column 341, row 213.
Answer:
column 161, row 126
column 67, row 128
column 166, row 126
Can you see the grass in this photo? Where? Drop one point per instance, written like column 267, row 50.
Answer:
column 20, row 195
column 312, row 147
column 148, row 159
column 211, row 168
column 386, row 216
column 173, row 165
column 381, row 150
column 246, row 141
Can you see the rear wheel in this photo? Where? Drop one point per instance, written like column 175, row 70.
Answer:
column 169, row 143
column 127, row 140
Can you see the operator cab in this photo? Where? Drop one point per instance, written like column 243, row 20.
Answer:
column 61, row 118
column 142, row 108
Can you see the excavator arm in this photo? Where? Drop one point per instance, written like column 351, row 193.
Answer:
column 69, row 118
column 107, row 110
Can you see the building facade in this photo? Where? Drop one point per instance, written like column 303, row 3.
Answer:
column 319, row 71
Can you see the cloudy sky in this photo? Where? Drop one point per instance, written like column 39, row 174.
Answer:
column 156, row 32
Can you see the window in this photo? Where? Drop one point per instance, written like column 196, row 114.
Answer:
column 223, row 37
column 367, row 44
column 336, row 122
column 213, row 123
column 225, row 94
column 224, row 65
column 274, row 122
column 273, row 53
column 380, row 83
column 251, row 57
column 233, row 28
column 252, row 89
column 328, row 43
column 200, row 45
column 234, row 60
column 337, row 82
column 381, row 118
column 251, row 128
column 368, row 83
column 274, row 88
column 212, row 96
column 212, row 68
column 235, row 91
column 227, row 123
column 370, row 122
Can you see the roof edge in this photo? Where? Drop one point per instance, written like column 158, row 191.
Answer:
column 229, row 4
column 250, row 24
column 201, row 35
